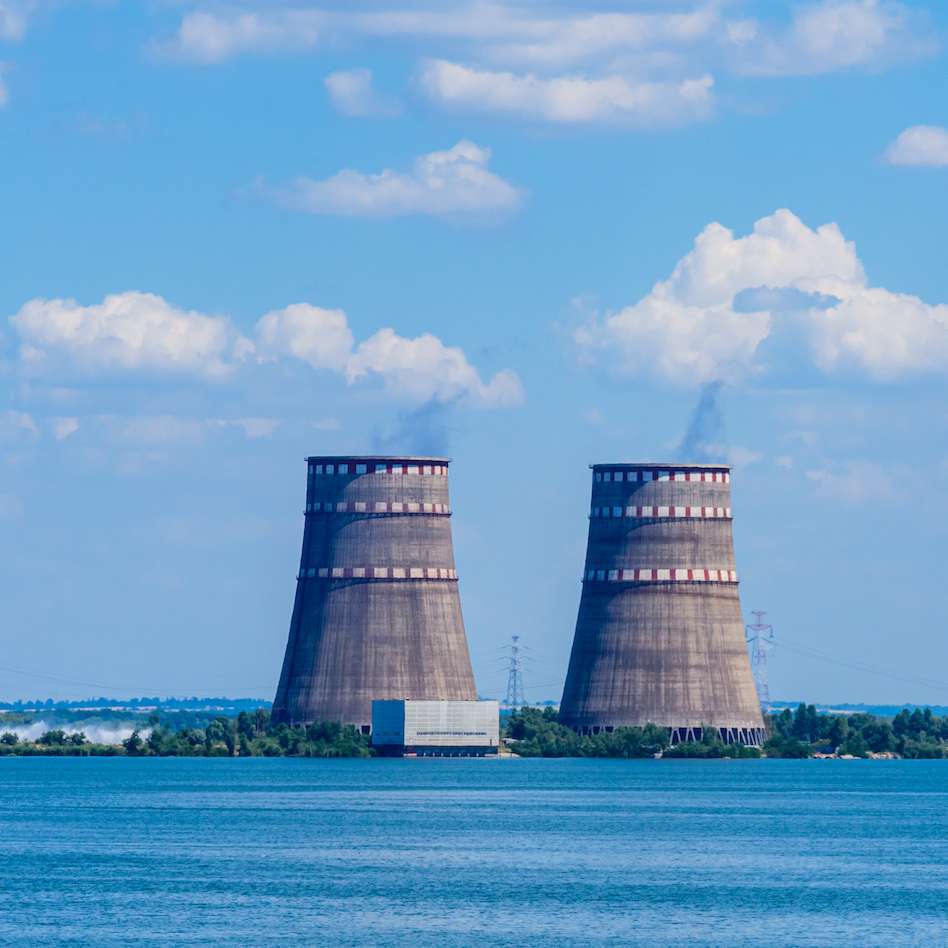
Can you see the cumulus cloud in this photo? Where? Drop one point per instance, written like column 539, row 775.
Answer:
column 784, row 283
column 920, row 145
column 140, row 332
column 419, row 369
column 442, row 183
column 320, row 337
column 352, row 92
column 612, row 99
column 832, row 36
column 582, row 64
column 424, row 369
column 126, row 332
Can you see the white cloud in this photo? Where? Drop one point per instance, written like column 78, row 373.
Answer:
column 442, row 183
column 138, row 332
column 544, row 36
column 785, row 283
column 923, row 145
column 420, row 369
column 206, row 37
column 820, row 37
column 353, row 93
column 550, row 41
column 612, row 99
column 64, row 427
column 320, row 337
column 4, row 91
column 831, row 36
column 126, row 332
column 425, row 369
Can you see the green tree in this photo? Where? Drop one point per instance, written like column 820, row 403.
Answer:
column 52, row 737
column 789, row 747
column 878, row 736
column 806, row 724
column 837, row 730
column 855, row 744
column 135, row 746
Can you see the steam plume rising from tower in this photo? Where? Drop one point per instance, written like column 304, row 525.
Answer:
column 377, row 611
column 660, row 636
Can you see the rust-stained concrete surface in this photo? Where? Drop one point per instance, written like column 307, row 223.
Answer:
column 356, row 638
column 668, row 652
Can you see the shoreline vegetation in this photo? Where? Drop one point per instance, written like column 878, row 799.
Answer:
column 528, row 732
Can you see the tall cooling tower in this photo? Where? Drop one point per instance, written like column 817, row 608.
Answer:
column 660, row 634
column 377, row 611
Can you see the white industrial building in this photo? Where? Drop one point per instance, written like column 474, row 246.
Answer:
column 436, row 728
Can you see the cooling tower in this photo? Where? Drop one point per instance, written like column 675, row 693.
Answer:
column 660, row 633
column 377, row 611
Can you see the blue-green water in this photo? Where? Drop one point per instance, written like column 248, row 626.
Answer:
column 455, row 852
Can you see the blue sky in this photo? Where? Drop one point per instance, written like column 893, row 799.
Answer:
column 527, row 235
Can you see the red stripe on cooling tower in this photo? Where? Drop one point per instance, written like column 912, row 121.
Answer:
column 379, row 572
column 665, row 575
column 655, row 511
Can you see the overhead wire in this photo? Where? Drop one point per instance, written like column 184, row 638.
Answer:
column 809, row 652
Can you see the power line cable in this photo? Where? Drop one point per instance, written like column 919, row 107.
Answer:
column 810, row 652
column 112, row 688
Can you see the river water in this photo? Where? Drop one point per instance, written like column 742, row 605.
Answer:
column 472, row 852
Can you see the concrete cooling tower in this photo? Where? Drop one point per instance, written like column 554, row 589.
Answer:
column 660, row 633
column 377, row 611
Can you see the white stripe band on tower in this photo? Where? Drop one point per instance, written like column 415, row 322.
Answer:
column 348, row 468
column 653, row 512
column 678, row 575
column 378, row 506
column 682, row 477
column 378, row 572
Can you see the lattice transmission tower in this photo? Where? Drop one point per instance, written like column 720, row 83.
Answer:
column 514, row 697
column 760, row 640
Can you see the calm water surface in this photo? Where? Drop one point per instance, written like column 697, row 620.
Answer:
column 454, row 852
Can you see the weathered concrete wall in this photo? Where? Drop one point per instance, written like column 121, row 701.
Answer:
column 377, row 611
column 668, row 649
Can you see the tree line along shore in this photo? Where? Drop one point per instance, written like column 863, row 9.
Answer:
column 529, row 732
